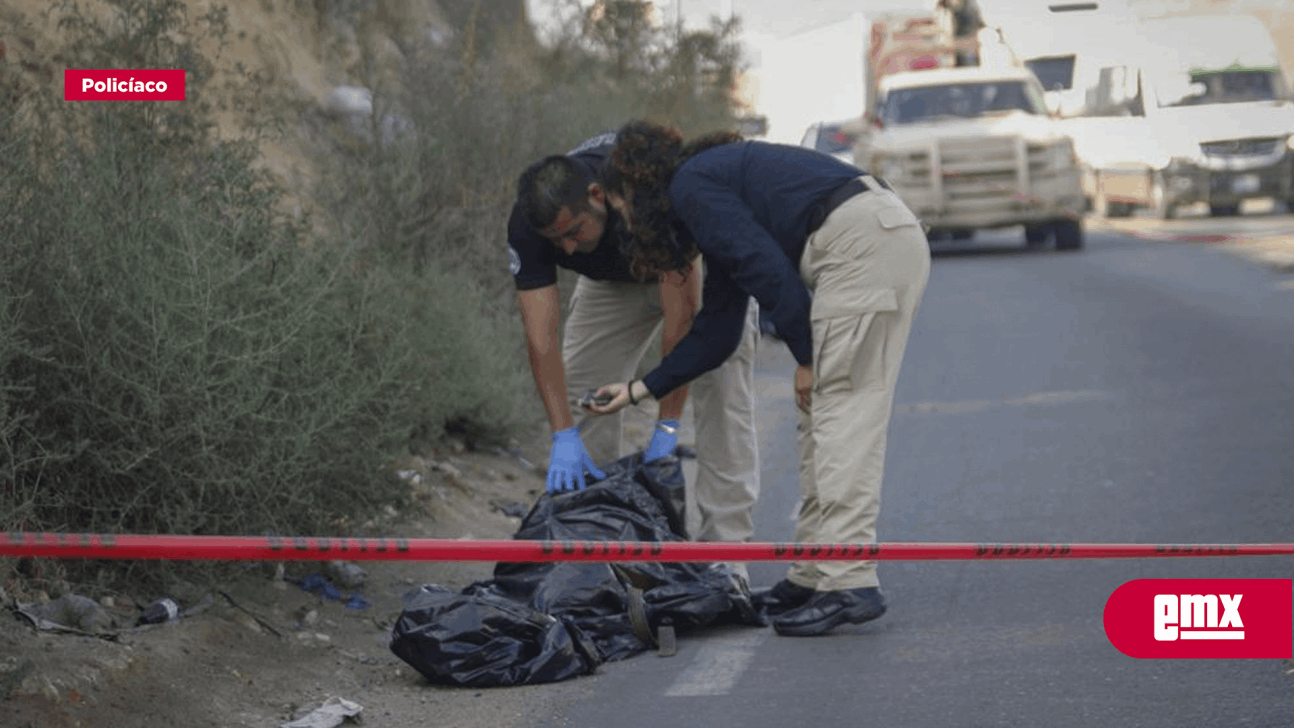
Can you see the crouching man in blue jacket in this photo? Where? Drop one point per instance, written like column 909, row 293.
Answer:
column 561, row 220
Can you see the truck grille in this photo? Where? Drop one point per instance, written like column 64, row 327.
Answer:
column 1254, row 146
column 981, row 170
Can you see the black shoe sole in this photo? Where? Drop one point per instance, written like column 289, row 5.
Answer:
column 857, row 615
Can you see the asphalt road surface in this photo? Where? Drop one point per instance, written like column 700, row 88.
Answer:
column 1140, row 390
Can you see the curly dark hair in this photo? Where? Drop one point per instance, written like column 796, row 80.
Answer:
column 643, row 163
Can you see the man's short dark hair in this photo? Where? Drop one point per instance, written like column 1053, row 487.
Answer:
column 551, row 184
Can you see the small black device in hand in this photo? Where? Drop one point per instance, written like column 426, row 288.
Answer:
column 591, row 398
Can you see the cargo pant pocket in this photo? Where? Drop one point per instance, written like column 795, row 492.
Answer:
column 849, row 351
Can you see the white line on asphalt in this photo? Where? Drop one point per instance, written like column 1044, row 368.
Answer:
column 1036, row 398
column 718, row 665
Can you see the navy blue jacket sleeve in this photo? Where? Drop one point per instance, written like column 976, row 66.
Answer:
column 732, row 240
column 716, row 331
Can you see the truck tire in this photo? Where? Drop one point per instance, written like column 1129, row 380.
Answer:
column 1069, row 234
column 1036, row 235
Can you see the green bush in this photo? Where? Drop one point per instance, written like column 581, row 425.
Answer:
column 189, row 366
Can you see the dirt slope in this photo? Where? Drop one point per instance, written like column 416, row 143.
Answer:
column 261, row 650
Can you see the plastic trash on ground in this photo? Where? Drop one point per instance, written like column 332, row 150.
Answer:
column 69, row 613
column 159, row 612
column 332, row 713
column 544, row 622
column 319, row 585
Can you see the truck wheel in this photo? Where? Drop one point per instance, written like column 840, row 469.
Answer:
column 1069, row 234
column 1223, row 210
column 1036, row 235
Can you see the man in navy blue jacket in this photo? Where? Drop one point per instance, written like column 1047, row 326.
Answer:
column 561, row 219
column 774, row 221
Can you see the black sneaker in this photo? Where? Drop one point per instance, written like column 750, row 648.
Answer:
column 783, row 597
column 827, row 610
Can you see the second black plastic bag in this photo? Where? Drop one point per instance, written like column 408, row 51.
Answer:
column 562, row 619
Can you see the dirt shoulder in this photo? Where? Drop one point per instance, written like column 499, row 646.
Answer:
column 263, row 651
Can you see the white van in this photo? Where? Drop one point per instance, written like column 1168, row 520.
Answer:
column 1200, row 112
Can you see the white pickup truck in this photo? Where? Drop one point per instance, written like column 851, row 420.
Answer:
column 971, row 148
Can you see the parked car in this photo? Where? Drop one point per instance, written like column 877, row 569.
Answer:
column 837, row 138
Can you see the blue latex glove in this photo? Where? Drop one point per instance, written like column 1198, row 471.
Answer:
column 662, row 443
column 567, row 462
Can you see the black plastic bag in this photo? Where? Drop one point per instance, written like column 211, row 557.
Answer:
column 481, row 639
column 592, row 601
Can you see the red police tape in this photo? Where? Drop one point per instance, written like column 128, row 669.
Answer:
column 276, row 548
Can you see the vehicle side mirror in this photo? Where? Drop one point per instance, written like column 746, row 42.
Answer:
column 875, row 121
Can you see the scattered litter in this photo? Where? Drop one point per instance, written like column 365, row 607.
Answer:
column 160, row 611
column 318, row 584
column 69, row 613
column 333, row 712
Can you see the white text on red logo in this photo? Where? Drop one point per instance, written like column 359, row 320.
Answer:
column 1198, row 617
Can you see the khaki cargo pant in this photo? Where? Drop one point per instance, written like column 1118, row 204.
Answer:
column 608, row 331
column 868, row 265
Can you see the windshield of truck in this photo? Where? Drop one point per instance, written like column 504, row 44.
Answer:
column 1056, row 73
column 963, row 100
column 834, row 140
column 1218, row 87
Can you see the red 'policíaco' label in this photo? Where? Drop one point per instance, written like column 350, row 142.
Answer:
column 1202, row 618
column 123, row 85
